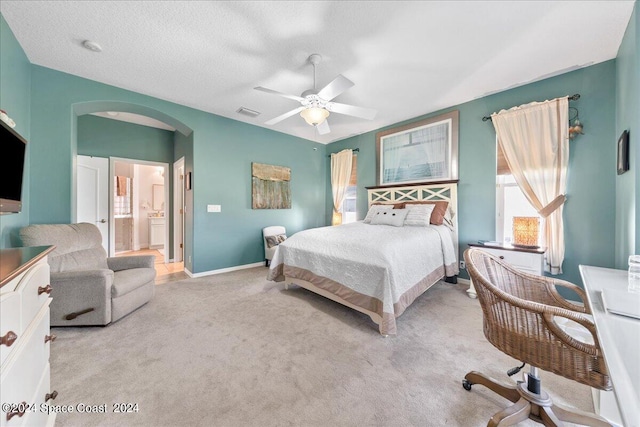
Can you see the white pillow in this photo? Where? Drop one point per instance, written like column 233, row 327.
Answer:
column 419, row 215
column 372, row 211
column 393, row 217
column 447, row 220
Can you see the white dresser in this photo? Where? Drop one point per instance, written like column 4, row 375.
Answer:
column 524, row 259
column 25, row 337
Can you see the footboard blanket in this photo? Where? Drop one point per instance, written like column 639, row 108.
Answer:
column 377, row 267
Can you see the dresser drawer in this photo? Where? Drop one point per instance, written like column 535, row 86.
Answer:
column 33, row 289
column 38, row 417
column 528, row 262
column 9, row 322
column 20, row 302
column 21, row 375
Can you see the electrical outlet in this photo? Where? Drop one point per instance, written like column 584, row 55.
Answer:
column 463, row 265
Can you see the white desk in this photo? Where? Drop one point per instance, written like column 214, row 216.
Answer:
column 619, row 338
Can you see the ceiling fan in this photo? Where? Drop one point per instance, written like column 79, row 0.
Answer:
column 317, row 105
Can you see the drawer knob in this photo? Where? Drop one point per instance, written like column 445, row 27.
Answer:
column 51, row 395
column 44, row 290
column 51, row 338
column 8, row 339
column 19, row 411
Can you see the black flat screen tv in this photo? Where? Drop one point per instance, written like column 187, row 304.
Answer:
column 623, row 152
column 12, row 156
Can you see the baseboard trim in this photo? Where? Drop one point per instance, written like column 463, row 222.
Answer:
column 224, row 270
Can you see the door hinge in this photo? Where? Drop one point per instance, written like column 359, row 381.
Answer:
column 180, row 245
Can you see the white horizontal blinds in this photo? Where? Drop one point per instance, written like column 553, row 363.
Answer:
column 405, row 154
column 122, row 197
column 353, row 178
column 502, row 165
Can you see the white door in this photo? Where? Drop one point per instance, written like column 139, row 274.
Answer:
column 92, row 192
column 178, row 210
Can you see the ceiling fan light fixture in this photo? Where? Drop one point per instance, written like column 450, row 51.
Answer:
column 314, row 115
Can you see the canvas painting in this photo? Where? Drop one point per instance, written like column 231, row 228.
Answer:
column 271, row 186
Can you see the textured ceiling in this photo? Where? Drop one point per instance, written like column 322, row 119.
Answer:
column 405, row 58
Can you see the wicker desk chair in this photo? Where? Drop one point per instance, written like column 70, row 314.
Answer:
column 518, row 318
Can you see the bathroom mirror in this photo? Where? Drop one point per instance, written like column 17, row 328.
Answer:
column 158, row 197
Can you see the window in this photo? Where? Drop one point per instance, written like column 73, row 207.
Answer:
column 122, row 195
column 510, row 201
column 348, row 210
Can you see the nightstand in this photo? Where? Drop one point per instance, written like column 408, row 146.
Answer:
column 528, row 260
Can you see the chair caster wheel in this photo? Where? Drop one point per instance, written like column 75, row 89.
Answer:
column 466, row 384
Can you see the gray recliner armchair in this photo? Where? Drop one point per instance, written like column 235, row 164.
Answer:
column 88, row 288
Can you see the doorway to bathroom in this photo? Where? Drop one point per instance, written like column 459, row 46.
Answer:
column 141, row 215
column 138, row 204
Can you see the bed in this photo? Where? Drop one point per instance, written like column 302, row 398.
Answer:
column 378, row 270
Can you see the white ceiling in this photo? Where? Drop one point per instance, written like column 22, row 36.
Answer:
column 405, row 58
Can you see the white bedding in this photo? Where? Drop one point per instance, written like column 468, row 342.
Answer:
column 378, row 261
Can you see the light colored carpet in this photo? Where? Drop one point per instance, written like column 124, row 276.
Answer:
column 237, row 350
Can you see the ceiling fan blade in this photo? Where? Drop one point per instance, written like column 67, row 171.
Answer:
column 352, row 110
column 323, row 128
column 275, row 92
column 335, row 88
column 284, row 116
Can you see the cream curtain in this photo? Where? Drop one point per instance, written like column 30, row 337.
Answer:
column 535, row 141
column 340, row 175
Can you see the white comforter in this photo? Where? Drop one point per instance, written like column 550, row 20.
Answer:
column 379, row 261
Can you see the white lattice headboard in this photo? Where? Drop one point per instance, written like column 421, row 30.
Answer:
column 423, row 192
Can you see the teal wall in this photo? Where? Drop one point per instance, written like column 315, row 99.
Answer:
column 222, row 152
column 222, row 175
column 15, row 87
column 589, row 225
column 102, row 137
column 627, row 233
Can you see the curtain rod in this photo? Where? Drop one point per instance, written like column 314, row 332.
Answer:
column 571, row 98
column 357, row 150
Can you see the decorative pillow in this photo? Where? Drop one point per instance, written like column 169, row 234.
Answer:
column 373, row 210
column 399, row 205
column 419, row 215
column 448, row 219
column 275, row 240
column 393, row 217
column 439, row 210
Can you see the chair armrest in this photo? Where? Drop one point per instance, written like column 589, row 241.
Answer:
column 128, row 262
column 568, row 340
column 85, row 294
column 83, row 278
column 553, row 285
column 547, row 287
column 548, row 312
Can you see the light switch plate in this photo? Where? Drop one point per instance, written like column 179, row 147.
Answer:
column 214, row 208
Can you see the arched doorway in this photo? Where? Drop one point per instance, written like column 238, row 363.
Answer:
column 139, row 159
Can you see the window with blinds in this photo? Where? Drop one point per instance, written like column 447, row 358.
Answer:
column 510, row 201
column 503, row 167
column 348, row 211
